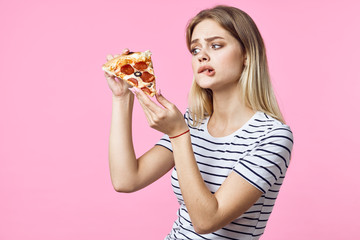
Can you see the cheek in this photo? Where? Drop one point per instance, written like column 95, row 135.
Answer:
column 234, row 62
column 193, row 65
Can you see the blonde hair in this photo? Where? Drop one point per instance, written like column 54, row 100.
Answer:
column 254, row 82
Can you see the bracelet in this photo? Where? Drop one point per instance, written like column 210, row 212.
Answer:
column 180, row 134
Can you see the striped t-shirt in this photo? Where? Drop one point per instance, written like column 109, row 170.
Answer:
column 259, row 152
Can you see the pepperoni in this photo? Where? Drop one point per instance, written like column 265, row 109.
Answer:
column 127, row 69
column 146, row 90
column 147, row 77
column 140, row 65
column 133, row 81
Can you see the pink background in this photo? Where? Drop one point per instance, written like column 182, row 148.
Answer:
column 55, row 109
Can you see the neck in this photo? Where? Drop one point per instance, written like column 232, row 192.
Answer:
column 230, row 111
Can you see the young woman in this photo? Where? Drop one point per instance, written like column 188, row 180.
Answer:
column 229, row 151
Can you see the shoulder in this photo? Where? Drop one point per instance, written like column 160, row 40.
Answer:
column 273, row 128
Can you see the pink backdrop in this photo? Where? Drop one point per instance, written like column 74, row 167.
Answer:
column 56, row 109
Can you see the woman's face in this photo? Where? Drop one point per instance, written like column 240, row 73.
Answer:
column 217, row 58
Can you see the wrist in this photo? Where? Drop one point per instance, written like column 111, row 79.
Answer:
column 123, row 103
column 179, row 134
column 122, row 98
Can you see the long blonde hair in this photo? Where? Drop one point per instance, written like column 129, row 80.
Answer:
column 254, row 82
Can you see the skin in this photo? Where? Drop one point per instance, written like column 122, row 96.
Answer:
column 208, row 212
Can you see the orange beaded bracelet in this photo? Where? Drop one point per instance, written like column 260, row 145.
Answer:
column 180, row 134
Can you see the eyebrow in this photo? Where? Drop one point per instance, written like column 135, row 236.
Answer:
column 206, row 39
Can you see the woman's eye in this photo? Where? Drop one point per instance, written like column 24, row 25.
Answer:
column 195, row 51
column 215, row 46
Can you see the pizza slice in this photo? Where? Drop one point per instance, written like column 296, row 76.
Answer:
column 135, row 68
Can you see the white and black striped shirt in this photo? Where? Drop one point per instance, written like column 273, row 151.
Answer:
column 259, row 152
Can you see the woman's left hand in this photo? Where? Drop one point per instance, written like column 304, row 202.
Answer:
column 168, row 120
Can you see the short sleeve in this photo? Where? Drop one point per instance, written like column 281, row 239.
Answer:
column 165, row 142
column 269, row 160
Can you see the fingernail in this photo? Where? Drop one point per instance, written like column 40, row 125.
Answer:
column 132, row 90
column 136, row 90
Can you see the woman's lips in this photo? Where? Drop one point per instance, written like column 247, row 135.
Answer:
column 207, row 70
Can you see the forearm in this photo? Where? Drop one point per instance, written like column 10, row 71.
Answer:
column 200, row 202
column 122, row 159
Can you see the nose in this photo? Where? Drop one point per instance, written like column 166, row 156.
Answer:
column 203, row 56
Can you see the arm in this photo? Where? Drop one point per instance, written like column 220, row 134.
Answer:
column 262, row 167
column 122, row 160
column 208, row 212
column 127, row 173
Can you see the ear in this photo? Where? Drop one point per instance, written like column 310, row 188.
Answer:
column 246, row 61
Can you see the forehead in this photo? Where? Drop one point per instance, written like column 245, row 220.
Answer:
column 209, row 28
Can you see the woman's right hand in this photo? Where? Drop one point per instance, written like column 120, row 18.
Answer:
column 118, row 86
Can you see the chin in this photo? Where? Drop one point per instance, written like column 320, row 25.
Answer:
column 205, row 82
column 205, row 86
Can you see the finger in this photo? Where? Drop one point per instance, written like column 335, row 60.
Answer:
column 108, row 76
column 109, row 57
column 110, row 79
column 142, row 97
column 125, row 51
column 148, row 114
column 162, row 100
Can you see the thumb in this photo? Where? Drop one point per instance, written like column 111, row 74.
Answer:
column 162, row 100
